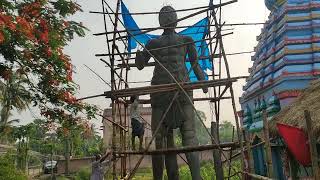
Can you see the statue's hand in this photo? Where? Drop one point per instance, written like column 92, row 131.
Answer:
column 205, row 90
column 139, row 61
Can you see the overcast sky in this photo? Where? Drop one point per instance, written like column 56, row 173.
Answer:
column 82, row 50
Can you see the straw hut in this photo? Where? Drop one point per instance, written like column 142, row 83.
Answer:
column 293, row 114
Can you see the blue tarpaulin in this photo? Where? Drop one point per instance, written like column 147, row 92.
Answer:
column 198, row 32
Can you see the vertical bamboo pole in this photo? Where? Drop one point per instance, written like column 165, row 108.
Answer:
column 230, row 155
column 313, row 147
column 216, row 153
column 248, row 145
column 221, row 46
column 113, row 86
column 267, row 144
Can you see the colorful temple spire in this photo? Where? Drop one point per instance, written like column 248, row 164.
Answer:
column 287, row 56
column 286, row 59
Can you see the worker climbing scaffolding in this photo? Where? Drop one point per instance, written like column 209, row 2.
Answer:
column 137, row 123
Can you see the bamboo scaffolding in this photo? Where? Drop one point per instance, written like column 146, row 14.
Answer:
column 117, row 93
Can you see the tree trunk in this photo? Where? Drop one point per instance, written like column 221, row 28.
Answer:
column 67, row 155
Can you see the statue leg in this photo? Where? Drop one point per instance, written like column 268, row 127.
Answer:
column 171, row 159
column 189, row 138
column 157, row 160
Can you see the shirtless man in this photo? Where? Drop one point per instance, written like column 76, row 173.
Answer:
column 181, row 114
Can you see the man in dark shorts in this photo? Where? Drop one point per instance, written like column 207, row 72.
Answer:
column 136, row 122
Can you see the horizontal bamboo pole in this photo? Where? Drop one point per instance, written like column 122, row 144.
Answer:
column 256, row 176
column 178, row 27
column 183, row 149
column 148, row 101
column 169, row 87
column 161, row 48
column 154, row 12
column 199, row 58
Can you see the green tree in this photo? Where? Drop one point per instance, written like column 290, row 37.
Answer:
column 13, row 95
column 33, row 34
column 202, row 133
column 6, row 135
column 22, row 136
column 225, row 132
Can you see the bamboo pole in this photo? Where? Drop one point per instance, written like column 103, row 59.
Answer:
column 178, row 27
column 156, row 12
column 230, row 157
column 187, row 149
column 313, row 145
column 168, row 87
column 148, row 101
column 216, row 153
column 256, row 176
column 113, row 88
column 187, row 60
column 267, row 144
column 221, row 47
column 249, row 147
column 183, row 18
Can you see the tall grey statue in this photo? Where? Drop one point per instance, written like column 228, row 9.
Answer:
column 171, row 50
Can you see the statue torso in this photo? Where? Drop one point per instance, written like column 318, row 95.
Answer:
column 173, row 58
column 172, row 55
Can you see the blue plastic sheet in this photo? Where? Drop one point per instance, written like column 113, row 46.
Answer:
column 198, row 32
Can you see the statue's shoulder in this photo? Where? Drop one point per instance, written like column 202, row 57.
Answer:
column 152, row 43
column 187, row 39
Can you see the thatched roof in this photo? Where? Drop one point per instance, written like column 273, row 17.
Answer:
column 293, row 114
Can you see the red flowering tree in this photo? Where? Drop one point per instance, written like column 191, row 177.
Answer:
column 33, row 34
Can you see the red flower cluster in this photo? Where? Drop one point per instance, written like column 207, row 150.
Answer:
column 44, row 34
column 31, row 10
column 25, row 28
column 69, row 98
column 2, row 39
column 7, row 21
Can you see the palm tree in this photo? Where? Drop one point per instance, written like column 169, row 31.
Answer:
column 13, row 94
column 6, row 132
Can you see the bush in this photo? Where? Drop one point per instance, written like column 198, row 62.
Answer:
column 8, row 170
column 83, row 174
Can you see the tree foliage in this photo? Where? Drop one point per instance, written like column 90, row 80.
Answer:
column 12, row 95
column 8, row 170
column 33, row 34
column 201, row 132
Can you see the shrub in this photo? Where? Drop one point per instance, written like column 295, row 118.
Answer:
column 8, row 170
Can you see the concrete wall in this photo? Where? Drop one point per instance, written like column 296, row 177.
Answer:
column 75, row 164
column 146, row 113
column 78, row 164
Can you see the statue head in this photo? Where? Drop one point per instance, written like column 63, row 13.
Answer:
column 168, row 17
